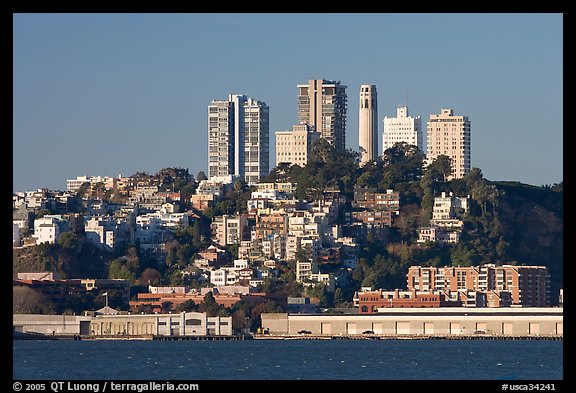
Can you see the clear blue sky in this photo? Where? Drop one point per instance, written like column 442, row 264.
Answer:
column 104, row 94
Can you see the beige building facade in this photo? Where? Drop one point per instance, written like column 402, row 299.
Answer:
column 182, row 324
column 450, row 135
column 295, row 146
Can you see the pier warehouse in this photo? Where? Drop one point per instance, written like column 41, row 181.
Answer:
column 449, row 321
column 177, row 324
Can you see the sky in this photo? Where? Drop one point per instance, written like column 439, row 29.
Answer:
column 104, row 94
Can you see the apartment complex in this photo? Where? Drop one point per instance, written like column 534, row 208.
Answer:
column 368, row 301
column 228, row 229
column 449, row 135
column 446, row 223
column 238, row 138
column 73, row 185
column 529, row 286
column 322, row 104
column 295, row 146
column 402, row 128
column 368, row 124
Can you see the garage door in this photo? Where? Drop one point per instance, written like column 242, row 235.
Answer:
column 507, row 328
column 402, row 327
column 428, row 327
column 350, row 328
column 455, row 328
column 377, row 328
column 534, row 328
column 325, row 328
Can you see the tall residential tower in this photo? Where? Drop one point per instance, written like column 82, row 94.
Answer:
column 402, row 128
column 322, row 104
column 368, row 124
column 450, row 135
column 238, row 138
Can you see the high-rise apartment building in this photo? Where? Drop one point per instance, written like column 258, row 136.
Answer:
column 295, row 146
column 238, row 138
column 322, row 104
column 220, row 138
column 450, row 135
column 402, row 128
column 368, row 124
column 256, row 146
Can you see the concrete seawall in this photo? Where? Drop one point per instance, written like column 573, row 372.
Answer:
column 403, row 337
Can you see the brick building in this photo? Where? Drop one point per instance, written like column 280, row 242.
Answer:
column 529, row 286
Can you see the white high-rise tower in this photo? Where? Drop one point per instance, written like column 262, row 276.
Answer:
column 238, row 138
column 368, row 124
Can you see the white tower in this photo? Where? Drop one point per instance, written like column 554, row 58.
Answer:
column 368, row 124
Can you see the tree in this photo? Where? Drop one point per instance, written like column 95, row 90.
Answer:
column 400, row 163
column 144, row 309
column 150, row 276
column 118, row 269
column 339, row 297
column 240, row 321
column 187, row 306
column 209, row 305
column 325, row 298
column 166, row 307
column 69, row 241
column 28, row 301
column 83, row 189
column 42, row 212
column 440, row 169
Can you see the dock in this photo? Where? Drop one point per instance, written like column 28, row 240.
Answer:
column 402, row 337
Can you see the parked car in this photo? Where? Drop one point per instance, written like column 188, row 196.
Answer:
column 304, row 332
column 367, row 332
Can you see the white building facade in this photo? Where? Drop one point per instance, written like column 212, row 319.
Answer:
column 220, row 138
column 238, row 138
column 402, row 128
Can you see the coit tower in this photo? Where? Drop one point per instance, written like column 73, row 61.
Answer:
column 368, row 124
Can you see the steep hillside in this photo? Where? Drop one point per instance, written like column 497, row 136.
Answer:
column 78, row 259
column 531, row 221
